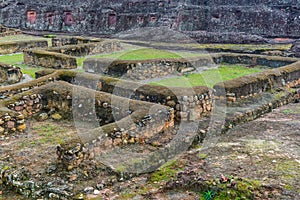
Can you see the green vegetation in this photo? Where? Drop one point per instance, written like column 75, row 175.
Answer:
column 290, row 111
column 140, row 54
column 48, row 133
column 44, row 134
column 80, row 60
column 145, row 54
column 167, row 171
column 209, row 77
column 12, row 59
column 234, row 188
column 17, row 60
column 50, row 36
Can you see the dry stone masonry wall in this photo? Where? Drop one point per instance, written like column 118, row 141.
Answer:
column 64, row 57
column 49, row 59
column 261, row 82
column 91, row 48
column 19, row 46
column 147, row 69
column 135, row 124
column 9, row 74
column 188, row 104
column 60, row 41
column 138, row 70
column 4, row 31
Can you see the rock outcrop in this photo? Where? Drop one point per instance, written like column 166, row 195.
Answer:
column 256, row 17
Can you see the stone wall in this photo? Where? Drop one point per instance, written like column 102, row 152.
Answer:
column 268, row 18
column 260, row 82
column 63, row 41
column 136, row 123
column 19, row 46
column 147, row 69
column 14, row 111
column 11, row 122
column 49, row 59
column 225, row 37
column 252, row 60
column 107, row 46
column 4, row 31
column 9, row 74
column 63, row 57
column 59, row 98
column 138, row 69
column 189, row 104
column 10, row 91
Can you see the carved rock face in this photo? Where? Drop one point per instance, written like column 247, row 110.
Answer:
column 269, row 18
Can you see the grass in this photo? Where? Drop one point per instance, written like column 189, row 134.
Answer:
column 48, row 133
column 245, row 190
column 17, row 60
column 209, row 77
column 290, row 111
column 140, row 54
column 167, row 171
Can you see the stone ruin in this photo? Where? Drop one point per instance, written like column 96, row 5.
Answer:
column 4, row 31
column 10, row 74
column 130, row 114
column 121, row 113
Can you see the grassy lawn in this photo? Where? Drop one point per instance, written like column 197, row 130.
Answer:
column 17, row 60
column 141, row 54
column 209, row 77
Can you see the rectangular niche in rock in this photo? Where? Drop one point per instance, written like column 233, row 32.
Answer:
column 31, row 16
column 112, row 20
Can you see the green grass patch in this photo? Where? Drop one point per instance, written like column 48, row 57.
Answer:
column 209, row 77
column 140, row 54
column 290, row 111
column 80, row 60
column 17, row 60
column 244, row 189
column 167, row 171
column 12, row 59
column 48, row 133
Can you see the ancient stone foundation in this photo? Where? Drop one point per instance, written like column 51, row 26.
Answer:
column 63, row 57
column 19, row 46
column 4, row 31
column 43, row 58
column 147, row 69
column 9, row 74
column 129, row 114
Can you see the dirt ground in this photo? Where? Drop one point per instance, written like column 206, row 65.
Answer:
column 260, row 159
column 255, row 160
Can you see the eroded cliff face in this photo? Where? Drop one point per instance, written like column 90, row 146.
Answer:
column 261, row 17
